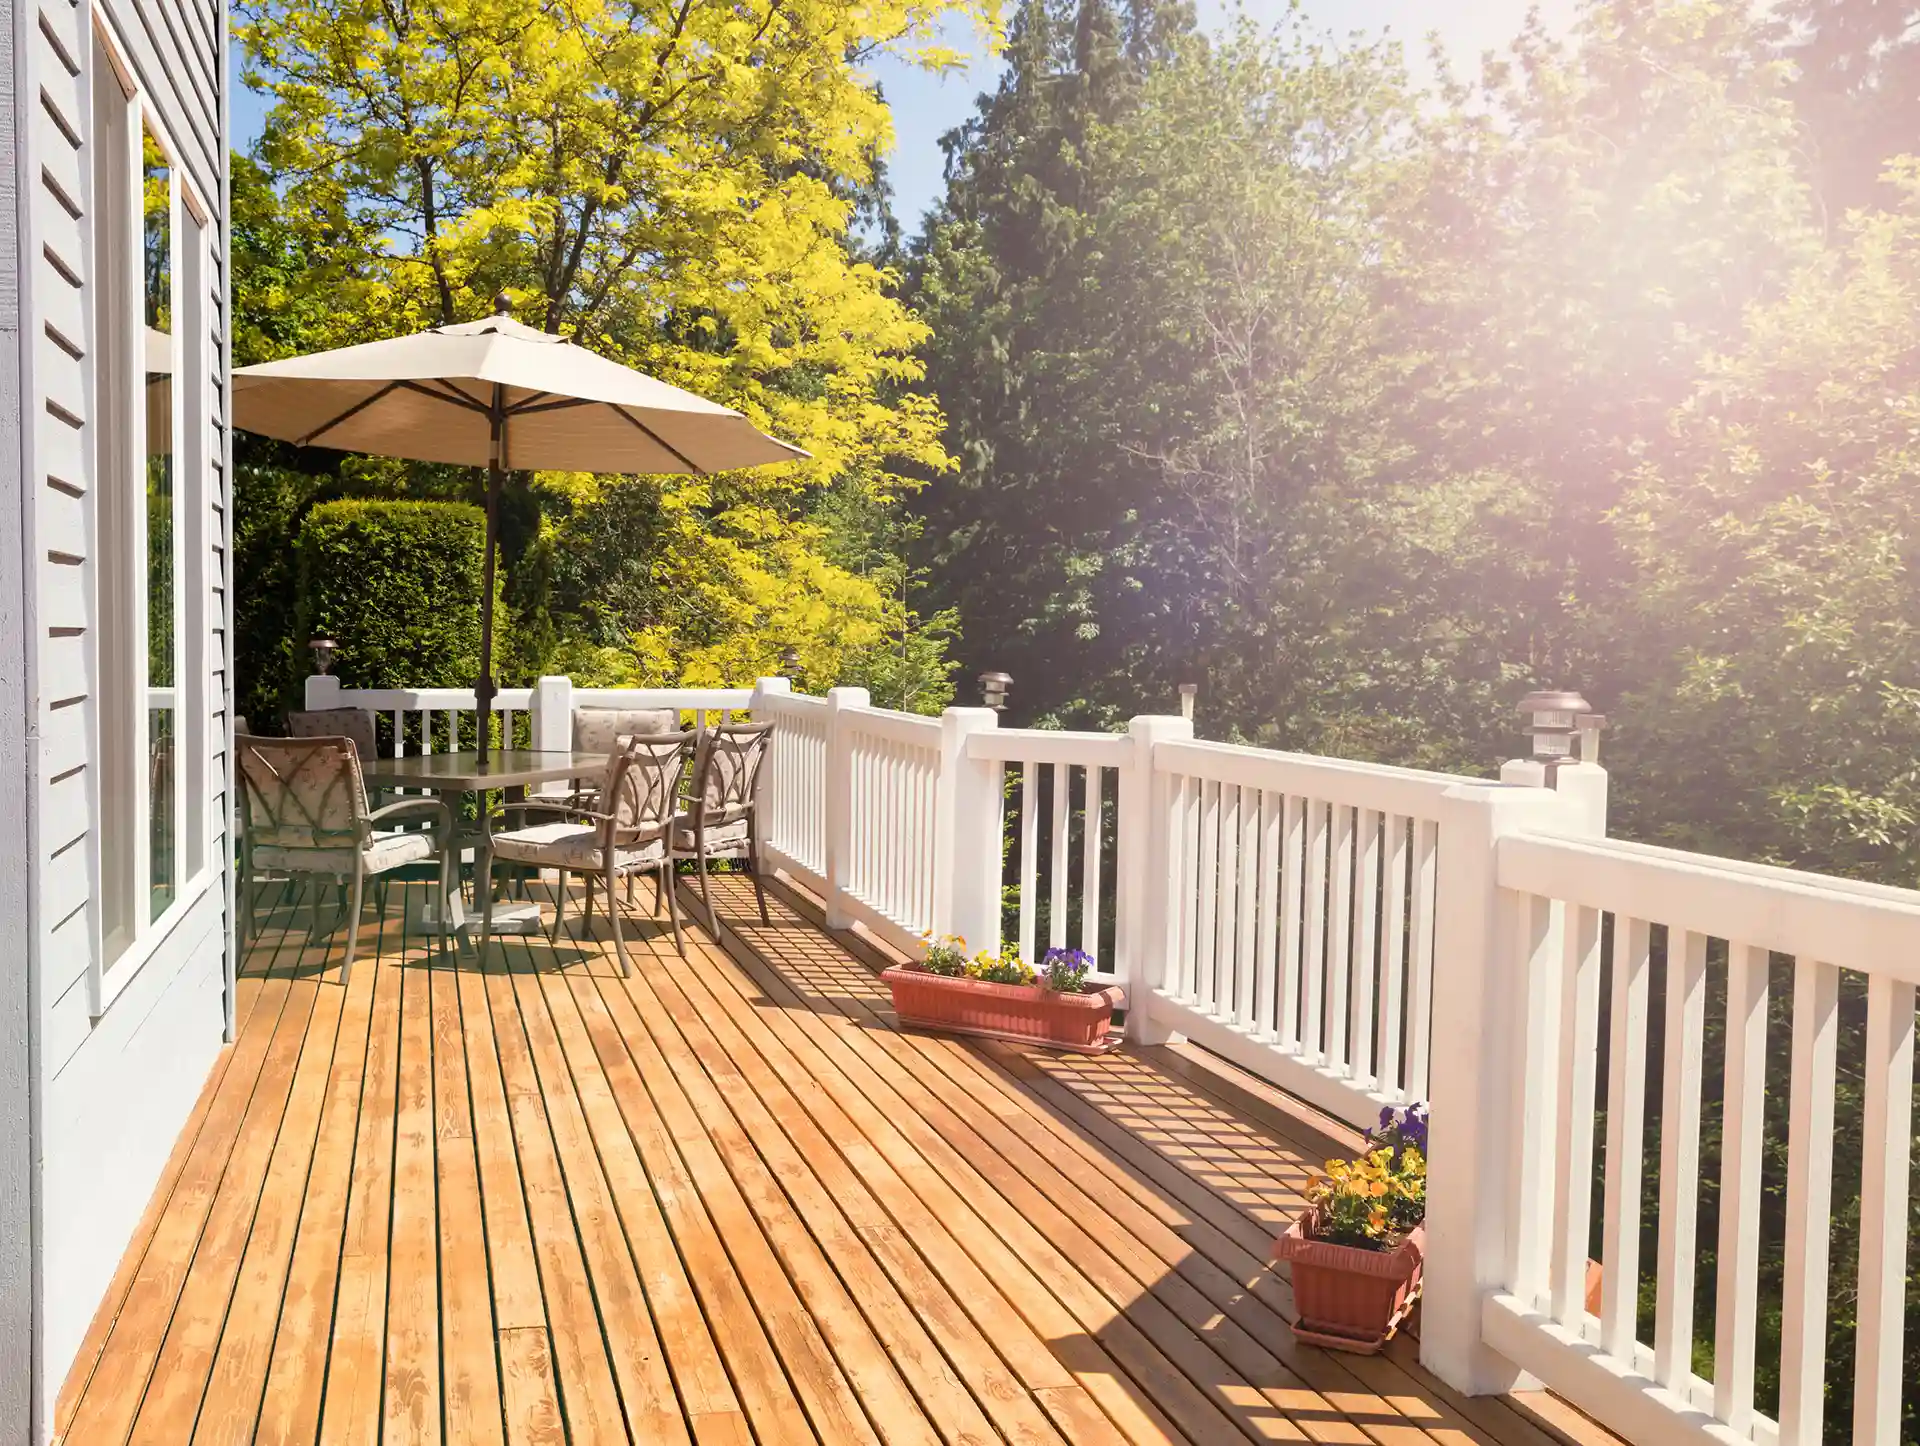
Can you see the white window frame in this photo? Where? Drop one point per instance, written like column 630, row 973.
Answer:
column 121, row 115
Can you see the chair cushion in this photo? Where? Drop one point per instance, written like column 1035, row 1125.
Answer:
column 595, row 729
column 721, row 837
column 383, row 852
column 567, row 845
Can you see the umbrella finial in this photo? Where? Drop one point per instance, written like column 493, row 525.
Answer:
column 502, row 304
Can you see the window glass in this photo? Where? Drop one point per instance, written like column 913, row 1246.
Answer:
column 162, row 588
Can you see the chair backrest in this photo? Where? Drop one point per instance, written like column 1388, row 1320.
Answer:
column 642, row 789
column 303, row 793
column 353, row 723
column 598, row 730
column 726, row 772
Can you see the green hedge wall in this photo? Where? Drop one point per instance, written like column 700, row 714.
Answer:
column 397, row 585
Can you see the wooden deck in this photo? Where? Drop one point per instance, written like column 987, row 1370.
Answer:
column 722, row 1201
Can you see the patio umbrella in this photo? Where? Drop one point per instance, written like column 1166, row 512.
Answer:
column 497, row 394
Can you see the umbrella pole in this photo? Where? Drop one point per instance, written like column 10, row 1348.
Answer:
column 483, row 689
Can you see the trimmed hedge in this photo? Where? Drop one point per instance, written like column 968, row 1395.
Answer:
column 397, row 585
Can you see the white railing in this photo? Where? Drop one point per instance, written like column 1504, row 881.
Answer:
column 796, row 784
column 1060, row 848
column 891, row 765
column 441, row 720
column 1305, row 892
column 1598, row 924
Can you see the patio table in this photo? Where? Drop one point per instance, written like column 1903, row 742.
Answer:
column 512, row 769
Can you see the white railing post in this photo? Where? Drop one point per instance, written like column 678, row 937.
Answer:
column 1147, row 932
column 966, row 840
column 323, row 691
column 839, row 802
column 553, row 714
column 1492, row 959
column 763, row 686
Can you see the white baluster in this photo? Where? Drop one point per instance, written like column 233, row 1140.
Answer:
column 1680, row 1158
column 1366, row 895
column 1393, row 955
column 1737, row 1304
column 1578, row 1056
column 1803, row 1305
column 1092, row 839
column 1226, row 903
column 1293, row 834
column 1420, row 958
column 1029, row 853
column 1626, row 1127
column 1340, row 949
column 1207, row 903
column 1059, row 852
column 1886, row 1160
column 1266, row 969
column 1312, row 1037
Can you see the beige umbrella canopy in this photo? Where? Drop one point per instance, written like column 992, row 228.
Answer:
column 496, row 394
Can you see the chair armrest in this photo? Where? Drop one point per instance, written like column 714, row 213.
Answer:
column 434, row 808
column 558, row 806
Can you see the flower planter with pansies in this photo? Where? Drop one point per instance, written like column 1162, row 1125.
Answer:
column 1002, row 997
column 1357, row 1251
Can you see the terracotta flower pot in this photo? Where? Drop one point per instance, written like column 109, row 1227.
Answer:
column 1024, row 1012
column 1347, row 1298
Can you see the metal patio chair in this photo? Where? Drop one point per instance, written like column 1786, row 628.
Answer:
column 722, row 820
column 307, row 813
column 626, row 834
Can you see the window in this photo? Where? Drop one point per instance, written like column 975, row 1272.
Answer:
column 150, row 374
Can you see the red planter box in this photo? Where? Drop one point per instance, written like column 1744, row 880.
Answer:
column 1347, row 1298
column 1024, row 1012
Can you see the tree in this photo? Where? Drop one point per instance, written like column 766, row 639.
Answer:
column 1001, row 274
column 1777, row 539
column 672, row 182
column 1859, row 89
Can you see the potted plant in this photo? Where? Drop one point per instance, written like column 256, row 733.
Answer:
column 1001, row 996
column 1357, row 1250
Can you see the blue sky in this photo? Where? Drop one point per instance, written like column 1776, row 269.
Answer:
column 926, row 107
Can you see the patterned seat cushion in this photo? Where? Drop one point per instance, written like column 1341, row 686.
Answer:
column 352, row 723
column 731, row 834
column 567, row 845
column 384, row 851
column 595, row 729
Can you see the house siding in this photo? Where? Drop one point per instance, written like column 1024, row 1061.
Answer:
column 111, row 1092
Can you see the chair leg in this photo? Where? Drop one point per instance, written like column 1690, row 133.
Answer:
column 353, row 928
column 449, row 891
column 706, row 895
column 483, row 885
column 559, row 904
column 613, row 919
column 673, row 905
column 249, row 924
column 753, row 863
column 592, row 880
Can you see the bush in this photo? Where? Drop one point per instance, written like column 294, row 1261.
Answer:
column 397, row 586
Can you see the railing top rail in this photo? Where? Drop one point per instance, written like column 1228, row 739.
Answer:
column 1364, row 785
column 1047, row 745
column 792, row 703
column 684, row 698
column 407, row 700
column 1871, row 928
column 912, row 729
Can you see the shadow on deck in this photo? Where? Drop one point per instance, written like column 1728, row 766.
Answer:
column 725, row 1200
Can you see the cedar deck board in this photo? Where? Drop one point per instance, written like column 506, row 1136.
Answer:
column 726, row 1200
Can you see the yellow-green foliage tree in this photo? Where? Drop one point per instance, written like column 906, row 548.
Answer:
column 673, row 182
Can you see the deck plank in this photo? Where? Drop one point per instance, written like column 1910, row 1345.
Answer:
column 726, row 1201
